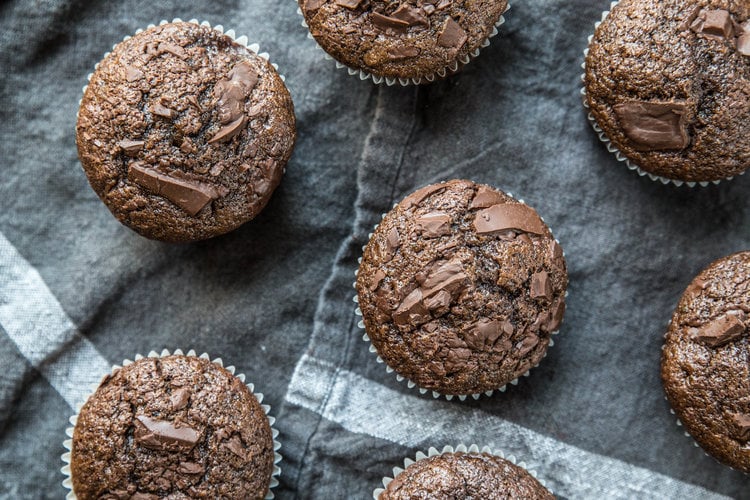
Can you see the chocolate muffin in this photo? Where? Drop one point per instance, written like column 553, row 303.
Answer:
column 705, row 364
column 667, row 83
column 461, row 287
column 172, row 427
column 464, row 475
column 410, row 40
column 184, row 132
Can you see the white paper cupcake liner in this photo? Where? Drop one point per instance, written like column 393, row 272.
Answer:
column 410, row 383
column 68, row 443
column 611, row 147
column 404, row 82
column 461, row 448
column 241, row 40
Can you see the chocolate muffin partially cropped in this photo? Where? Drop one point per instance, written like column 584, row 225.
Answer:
column 705, row 364
column 172, row 427
column 184, row 133
column 464, row 475
column 460, row 288
column 411, row 40
column 667, row 82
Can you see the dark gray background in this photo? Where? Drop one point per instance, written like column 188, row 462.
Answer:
column 280, row 287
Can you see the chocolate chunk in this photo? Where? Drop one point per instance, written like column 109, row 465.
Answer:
column 400, row 53
column 439, row 301
column 163, row 435
column 448, row 275
column 189, row 195
column 179, row 398
column 226, row 132
column 556, row 254
column 131, row 146
column 144, row 496
column 160, row 110
column 190, row 468
column 313, row 5
column 696, row 287
column 743, row 44
column 527, row 344
column 719, row 331
column 244, row 74
column 377, row 279
column 412, row 311
column 484, row 334
column 386, row 23
column 392, row 242
column 742, row 426
column 541, row 286
column 133, row 74
column 554, row 320
column 457, row 359
column 421, row 194
column 173, row 49
column 410, row 15
column 234, row 445
column 715, row 22
column 505, row 216
column 444, row 4
column 452, row 35
column 434, row 224
column 485, row 197
column 654, row 126
column 690, row 19
column 349, row 4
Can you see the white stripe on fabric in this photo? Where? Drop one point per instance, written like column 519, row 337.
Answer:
column 417, row 422
column 37, row 324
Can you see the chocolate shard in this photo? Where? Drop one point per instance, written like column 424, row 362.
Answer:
column 741, row 422
column 230, row 130
column 386, row 23
column 421, row 194
column 162, row 435
column 411, row 311
column 690, row 19
column 554, row 320
column 448, row 275
column 696, row 287
column 485, row 197
column 377, row 278
column 529, row 342
column 130, row 146
column 484, row 334
column 133, row 74
column 743, row 44
column 401, row 53
column 170, row 48
column 144, row 496
column 235, row 446
column 311, row 6
column 719, row 331
column 452, row 35
column 161, row 110
column 439, row 301
column 179, row 398
column 541, row 286
column 410, row 15
column 190, row 468
column 349, row 4
column 392, row 242
column 189, row 195
column 434, row 224
column 714, row 22
column 505, row 216
column 654, row 126
column 245, row 75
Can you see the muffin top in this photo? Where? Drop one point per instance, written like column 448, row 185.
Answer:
column 460, row 287
column 669, row 84
column 401, row 39
column 464, row 475
column 177, row 427
column 705, row 365
column 184, row 133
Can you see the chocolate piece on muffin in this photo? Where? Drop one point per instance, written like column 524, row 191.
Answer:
column 461, row 287
column 704, row 365
column 184, row 133
column 464, row 475
column 667, row 83
column 407, row 40
column 176, row 426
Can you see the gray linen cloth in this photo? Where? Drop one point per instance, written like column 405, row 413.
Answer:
column 79, row 292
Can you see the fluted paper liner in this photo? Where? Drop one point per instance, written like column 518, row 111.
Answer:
column 611, row 147
column 461, row 448
column 68, row 443
column 404, row 82
column 411, row 384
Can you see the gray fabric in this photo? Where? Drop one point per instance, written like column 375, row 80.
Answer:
column 79, row 292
